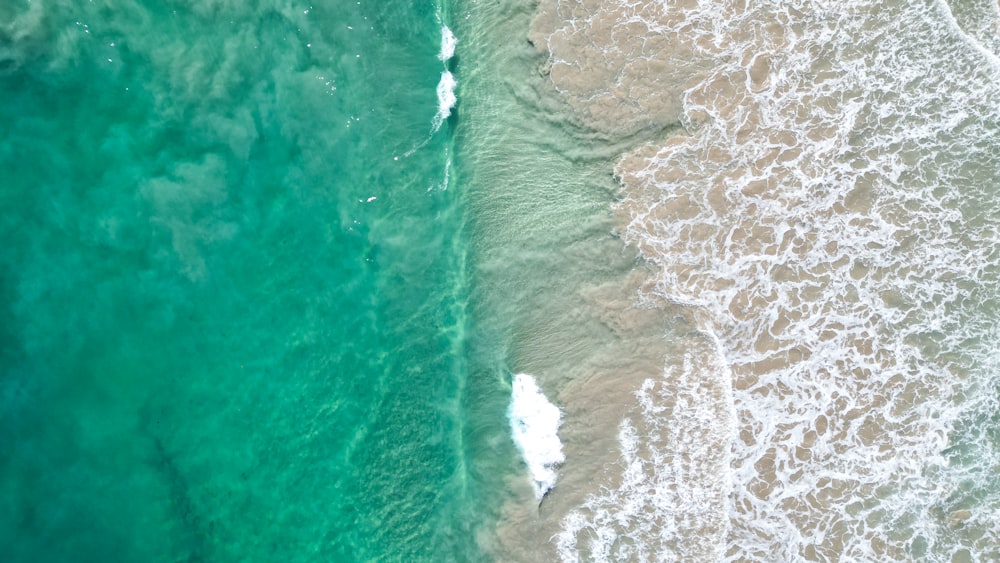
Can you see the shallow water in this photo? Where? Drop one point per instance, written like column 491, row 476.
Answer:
column 828, row 214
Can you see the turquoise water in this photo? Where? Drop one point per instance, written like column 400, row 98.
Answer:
column 233, row 314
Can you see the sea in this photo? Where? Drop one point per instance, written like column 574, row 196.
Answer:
column 500, row 280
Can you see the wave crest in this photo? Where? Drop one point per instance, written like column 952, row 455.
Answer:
column 534, row 424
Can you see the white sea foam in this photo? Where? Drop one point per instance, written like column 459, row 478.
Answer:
column 446, row 98
column 448, row 42
column 674, row 477
column 534, row 424
column 446, row 86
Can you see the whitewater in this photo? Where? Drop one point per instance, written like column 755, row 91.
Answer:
column 446, row 86
column 534, row 423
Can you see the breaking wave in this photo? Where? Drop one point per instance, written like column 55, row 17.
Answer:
column 534, row 424
column 446, row 98
column 446, row 86
column 448, row 42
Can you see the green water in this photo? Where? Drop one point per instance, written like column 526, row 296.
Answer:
column 213, row 344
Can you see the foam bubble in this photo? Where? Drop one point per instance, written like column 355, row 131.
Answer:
column 446, row 98
column 448, row 42
column 534, row 424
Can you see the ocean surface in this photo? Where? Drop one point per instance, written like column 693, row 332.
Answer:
column 499, row 281
column 233, row 313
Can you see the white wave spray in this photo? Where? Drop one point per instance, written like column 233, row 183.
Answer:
column 448, row 42
column 446, row 98
column 534, row 424
column 446, row 86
